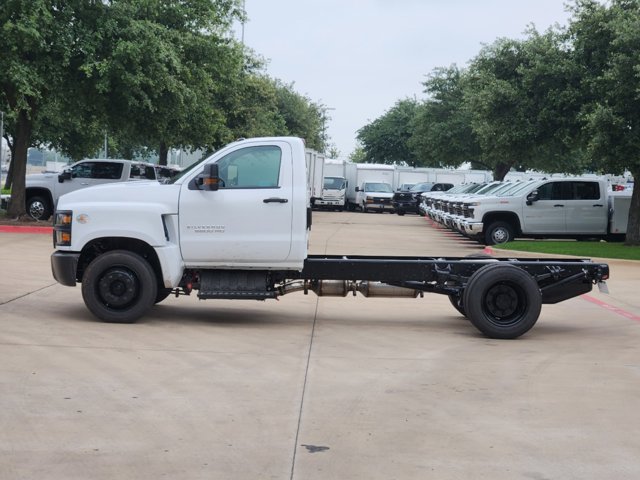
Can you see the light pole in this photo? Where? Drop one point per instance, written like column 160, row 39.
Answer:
column 324, row 127
column 244, row 14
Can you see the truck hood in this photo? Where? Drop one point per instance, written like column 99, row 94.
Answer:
column 33, row 178
column 128, row 194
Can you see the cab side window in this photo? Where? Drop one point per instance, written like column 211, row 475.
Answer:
column 251, row 167
column 585, row 191
column 550, row 191
column 82, row 170
column 107, row 171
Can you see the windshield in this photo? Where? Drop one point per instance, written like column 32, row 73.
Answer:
column 517, row 188
column 188, row 169
column 334, row 183
column 378, row 187
column 422, row 187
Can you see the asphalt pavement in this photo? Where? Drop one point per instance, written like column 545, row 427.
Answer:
column 311, row 388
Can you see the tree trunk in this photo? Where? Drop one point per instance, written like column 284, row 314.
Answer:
column 500, row 171
column 162, row 160
column 633, row 225
column 19, row 165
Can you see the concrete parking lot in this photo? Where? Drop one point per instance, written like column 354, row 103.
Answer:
column 315, row 388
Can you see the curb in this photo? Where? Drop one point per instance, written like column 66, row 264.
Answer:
column 25, row 229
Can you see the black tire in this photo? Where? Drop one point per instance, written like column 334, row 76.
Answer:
column 456, row 301
column 119, row 287
column 364, row 208
column 38, row 208
column 502, row 301
column 498, row 232
column 162, row 294
column 400, row 212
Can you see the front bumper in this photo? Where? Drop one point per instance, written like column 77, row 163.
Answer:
column 471, row 228
column 379, row 206
column 64, row 266
column 329, row 203
column 407, row 206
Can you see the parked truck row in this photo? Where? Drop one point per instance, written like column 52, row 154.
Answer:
column 497, row 212
column 236, row 226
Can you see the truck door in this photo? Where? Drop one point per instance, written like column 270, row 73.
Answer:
column 249, row 219
column 586, row 208
column 547, row 214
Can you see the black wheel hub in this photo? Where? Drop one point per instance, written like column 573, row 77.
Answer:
column 118, row 287
column 504, row 303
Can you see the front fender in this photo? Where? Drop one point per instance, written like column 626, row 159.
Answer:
column 93, row 221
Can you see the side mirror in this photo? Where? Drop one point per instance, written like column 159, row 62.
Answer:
column 358, row 189
column 210, row 179
column 532, row 197
column 65, row 175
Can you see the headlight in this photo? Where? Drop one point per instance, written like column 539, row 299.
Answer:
column 62, row 228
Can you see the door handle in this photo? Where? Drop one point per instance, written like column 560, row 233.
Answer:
column 275, row 200
column 559, row 205
column 598, row 205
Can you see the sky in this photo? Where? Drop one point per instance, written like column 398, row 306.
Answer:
column 359, row 57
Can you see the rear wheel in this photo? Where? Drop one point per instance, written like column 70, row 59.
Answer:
column 502, row 301
column 119, row 286
column 456, row 301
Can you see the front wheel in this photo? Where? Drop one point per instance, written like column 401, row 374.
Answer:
column 502, row 301
column 38, row 208
column 119, row 287
column 498, row 232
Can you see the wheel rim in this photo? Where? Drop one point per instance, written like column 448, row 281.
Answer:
column 118, row 287
column 504, row 304
column 36, row 209
column 500, row 235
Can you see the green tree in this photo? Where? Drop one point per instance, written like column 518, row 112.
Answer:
column 43, row 44
column 606, row 46
column 442, row 133
column 386, row 139
column 358, row 155
column 303, row 118
column 161, row 68
column 516, row 92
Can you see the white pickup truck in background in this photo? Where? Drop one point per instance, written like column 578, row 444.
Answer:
column 553, row 208
column 42, row 190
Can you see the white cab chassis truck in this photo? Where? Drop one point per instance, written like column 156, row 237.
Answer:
column 236, row 226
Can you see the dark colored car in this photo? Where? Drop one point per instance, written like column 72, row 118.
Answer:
column 404, row 202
